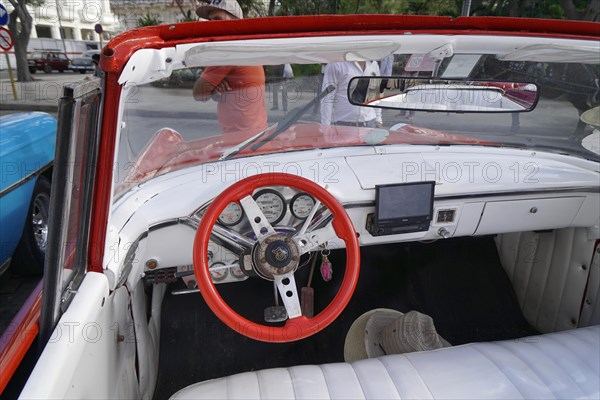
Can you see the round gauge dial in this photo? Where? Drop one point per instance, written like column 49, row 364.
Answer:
column 232, row 214
column 271, row 204
column 301, row 205
column 237, row 272
column 217, row 273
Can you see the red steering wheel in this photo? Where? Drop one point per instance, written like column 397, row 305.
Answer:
column 278, row 255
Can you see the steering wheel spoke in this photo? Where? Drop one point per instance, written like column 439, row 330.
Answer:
column 286, row 284
column 311, row 241
column 260, row 225
column 231, row 240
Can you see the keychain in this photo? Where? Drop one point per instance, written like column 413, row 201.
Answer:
column 326, row 267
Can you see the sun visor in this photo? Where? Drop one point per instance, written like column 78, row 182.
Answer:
column 211, row 54
column 148, row 65
column 556, row 53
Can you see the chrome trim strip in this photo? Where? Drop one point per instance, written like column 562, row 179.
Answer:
column 200, row 210
column 26, row 179
column 184, row 291
column 226, row 238
column 585, row 189
column 230, row 239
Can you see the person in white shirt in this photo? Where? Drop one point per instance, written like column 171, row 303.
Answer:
column 386, row 65
column 335, row 107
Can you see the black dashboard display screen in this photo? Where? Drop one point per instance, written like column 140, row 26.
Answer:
column 400, row 208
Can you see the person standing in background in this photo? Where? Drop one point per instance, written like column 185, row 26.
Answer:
column 288, row 74
column 239, row 90
column 385, row 67
column 319, row 86
column 278, row 75
column 336, row 109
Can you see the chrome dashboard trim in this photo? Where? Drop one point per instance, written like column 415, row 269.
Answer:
column 228, row 239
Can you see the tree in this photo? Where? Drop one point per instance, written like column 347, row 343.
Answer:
column 148, row 20
column 423, row 7
column 252, row 8
column 188, row 16
column 20, row 26
column 586, row 10
column 579, row 9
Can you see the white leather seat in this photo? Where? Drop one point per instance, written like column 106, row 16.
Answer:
column 563, row 365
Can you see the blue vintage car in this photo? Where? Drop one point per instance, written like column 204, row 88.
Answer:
column 27, row 143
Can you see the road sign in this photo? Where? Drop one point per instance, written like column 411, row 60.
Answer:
column 6, row 39
column 98, row 29
column 4, row 15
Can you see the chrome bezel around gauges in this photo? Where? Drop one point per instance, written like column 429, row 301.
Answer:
column 236, row 221
column 236, row 272
column 264, row 192
column 224, row 271
column 297, row 198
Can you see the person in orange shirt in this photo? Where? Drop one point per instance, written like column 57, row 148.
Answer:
column 239, row 90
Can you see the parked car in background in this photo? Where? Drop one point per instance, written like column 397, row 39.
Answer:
column 84, row 63
column 48, row 61
column 27, row 142
column 186, row 227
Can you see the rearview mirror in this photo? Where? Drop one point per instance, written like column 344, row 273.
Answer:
column 445, row 95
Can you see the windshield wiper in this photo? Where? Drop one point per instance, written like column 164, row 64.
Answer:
column 290, row 118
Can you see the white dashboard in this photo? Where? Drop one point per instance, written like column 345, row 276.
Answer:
column 478, row 191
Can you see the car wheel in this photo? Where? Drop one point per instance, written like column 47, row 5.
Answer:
column 30, row 253
column 47, row 69
column 32, row 70
column 61, row 70
column 82, row 71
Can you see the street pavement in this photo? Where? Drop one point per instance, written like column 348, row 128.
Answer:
column 40, row 95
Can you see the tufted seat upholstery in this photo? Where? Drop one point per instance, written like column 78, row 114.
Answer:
column 563, row 365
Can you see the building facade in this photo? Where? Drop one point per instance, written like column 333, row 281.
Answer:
column 69, row 26
column 73, row 20
column 167, row 11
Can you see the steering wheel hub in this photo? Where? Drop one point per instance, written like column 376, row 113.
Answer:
column 276, row 255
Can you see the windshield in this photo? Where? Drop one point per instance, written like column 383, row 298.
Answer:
column 275, row 101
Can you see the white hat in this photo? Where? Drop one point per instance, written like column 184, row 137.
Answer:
column 230, row 6
column 383, row 331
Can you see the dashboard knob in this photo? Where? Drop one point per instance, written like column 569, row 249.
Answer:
column 443, row 232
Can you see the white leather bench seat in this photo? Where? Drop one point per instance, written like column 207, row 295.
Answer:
column 562, row 365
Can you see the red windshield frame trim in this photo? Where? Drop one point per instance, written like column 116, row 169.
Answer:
column 104, row 174
column 120, row 49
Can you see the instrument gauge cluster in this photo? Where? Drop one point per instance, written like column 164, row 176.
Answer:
column 284, row 207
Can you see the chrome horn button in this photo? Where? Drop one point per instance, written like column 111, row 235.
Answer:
column 277, row 255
